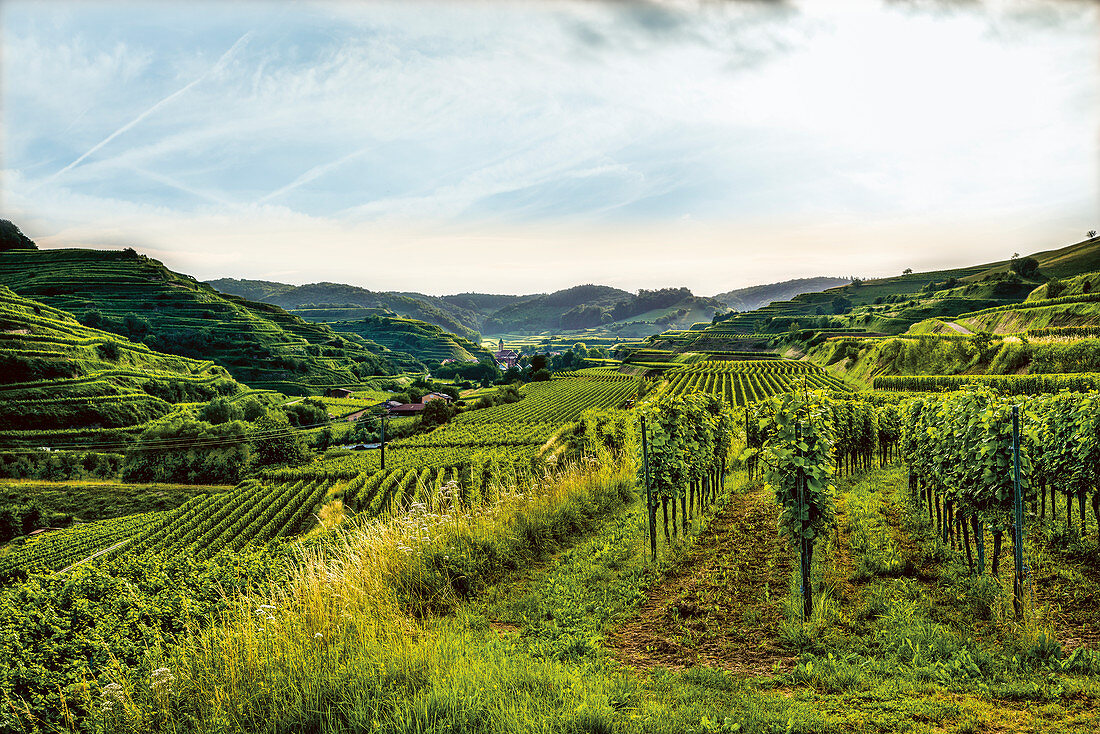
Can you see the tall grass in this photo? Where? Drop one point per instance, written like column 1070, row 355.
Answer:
column 353, row 641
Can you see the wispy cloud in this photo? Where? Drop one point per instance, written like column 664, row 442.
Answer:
column 312, row 174
column 220, row 64
column 473, row 128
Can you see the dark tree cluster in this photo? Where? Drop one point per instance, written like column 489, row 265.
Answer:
column 12, row 239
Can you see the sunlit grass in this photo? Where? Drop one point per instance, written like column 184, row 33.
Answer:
column 340, row 646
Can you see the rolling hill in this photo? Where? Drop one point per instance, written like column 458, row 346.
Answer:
column 467, row 314
column 753, row 297
column 447, row 315
column 258, row 343
column 983, row 297
column 422, row 340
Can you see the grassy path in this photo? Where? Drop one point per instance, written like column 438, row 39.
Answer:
column 722, row 605
column 902, row 640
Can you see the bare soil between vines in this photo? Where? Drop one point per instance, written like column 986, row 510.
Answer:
column 722, row 605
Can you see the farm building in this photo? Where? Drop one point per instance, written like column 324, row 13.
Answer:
column 406, row 409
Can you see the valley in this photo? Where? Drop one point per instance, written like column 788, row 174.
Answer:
column 454, row 489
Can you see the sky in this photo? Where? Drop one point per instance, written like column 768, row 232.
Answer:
column 521, row 147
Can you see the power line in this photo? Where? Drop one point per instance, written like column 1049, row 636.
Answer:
column 179, row 443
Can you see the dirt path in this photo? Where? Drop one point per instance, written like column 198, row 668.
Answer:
column 722, row 606
column 1069, row 588
column 958, row 328
column 97, row 554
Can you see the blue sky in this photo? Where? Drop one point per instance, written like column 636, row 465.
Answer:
column 527, row 146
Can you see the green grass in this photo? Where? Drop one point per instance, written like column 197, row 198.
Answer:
column 375, row 635
column 334, row 651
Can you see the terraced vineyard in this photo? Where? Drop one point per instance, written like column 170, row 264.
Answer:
column 59, row 374
column 559, row 400
column 340, row 407
column 476, row 453
column 284, row 504
column 422, row 340
column 485, row 434
column 258, row 343
column 56, row 550
column 739, row 383
column 252, row 512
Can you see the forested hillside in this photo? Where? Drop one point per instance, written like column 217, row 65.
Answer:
column 353, row 302
column 467, row 314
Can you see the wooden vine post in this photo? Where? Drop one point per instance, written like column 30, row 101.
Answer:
column 651, row 509
column 799, row 457
column 383, row 461
column 805, row 554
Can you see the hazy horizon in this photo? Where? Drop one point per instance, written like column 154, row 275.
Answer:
column 509, row 147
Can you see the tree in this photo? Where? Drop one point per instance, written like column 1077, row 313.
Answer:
column 92, row 318
column 182, row 449
column 219, row 410
column 907, row 271
column 1092, row 233
column 136, row 328
column 12, row 239
column 275, row 442
column 436, row 413
column 108, row 350
column 1025, row 267
column 308, row 412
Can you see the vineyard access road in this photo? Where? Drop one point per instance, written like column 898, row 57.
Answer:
column 958, row 328
column 97, row 554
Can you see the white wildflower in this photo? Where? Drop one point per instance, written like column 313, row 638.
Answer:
column 161, row 679
column 112, row 694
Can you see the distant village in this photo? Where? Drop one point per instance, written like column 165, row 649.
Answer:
column 506, row 358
